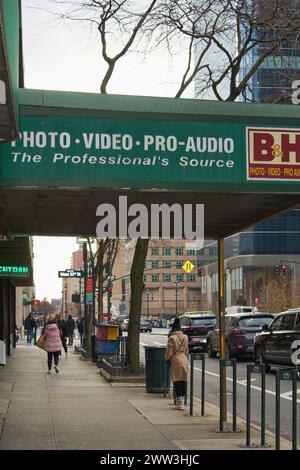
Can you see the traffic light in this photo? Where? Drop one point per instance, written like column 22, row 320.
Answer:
column 283, row 269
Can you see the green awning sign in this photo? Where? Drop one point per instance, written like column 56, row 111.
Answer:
column 14, row 271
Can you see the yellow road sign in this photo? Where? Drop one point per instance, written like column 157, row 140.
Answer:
column 188, row 266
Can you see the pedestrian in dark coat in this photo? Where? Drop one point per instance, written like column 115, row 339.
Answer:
column 29, row 325
column 177, row 353
column 64, row 332
column 70, row 328
column 80, row 328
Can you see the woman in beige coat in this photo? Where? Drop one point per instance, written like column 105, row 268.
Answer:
column 177, row 353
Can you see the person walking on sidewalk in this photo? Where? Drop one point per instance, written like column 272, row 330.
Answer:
column 53, row 342
column 29, row 325
column 64, row 332
column 177, row 354
column 80, row 328
column 70, row 328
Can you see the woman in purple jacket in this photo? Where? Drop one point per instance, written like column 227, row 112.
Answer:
column 53, row 343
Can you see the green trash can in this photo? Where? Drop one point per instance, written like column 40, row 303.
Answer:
column 157, row 370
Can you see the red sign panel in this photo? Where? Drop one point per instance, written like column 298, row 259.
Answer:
column 273, row 154
column 89, row 285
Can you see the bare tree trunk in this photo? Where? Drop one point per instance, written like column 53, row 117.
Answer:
column 137, row 286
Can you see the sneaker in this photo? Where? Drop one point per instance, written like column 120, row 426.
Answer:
column 177, row 407
column 49, row 372
column 56, row 369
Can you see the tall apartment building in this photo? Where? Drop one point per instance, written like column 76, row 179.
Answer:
column 251, row 256
column 165, row 279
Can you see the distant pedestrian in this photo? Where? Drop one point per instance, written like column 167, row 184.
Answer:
column 29, row 325
column 80, row 328
column 177, row 354
column 70, row 328
column 63, row 332
column 53, row 342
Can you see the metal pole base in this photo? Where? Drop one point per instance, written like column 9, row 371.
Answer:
column 255, row 446
column 226, row 430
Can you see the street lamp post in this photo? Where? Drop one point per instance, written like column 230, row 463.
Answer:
column 147, row 293
column 176, row 292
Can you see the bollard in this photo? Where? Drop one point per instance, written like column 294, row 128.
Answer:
column 202, row 357
column 284, row 374
column 223, row 364
column 191, row 384
column 256, row 369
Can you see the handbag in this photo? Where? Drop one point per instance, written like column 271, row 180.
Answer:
column 41, row 342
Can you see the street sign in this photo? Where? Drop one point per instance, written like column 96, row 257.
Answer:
column 89, row 299
column 188, row 266
column 122, row 307
column 89, row 285
column 77, row 273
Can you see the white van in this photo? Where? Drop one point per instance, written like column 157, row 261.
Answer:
column 239, row 309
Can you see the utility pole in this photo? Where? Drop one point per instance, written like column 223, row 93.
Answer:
column 147, row 293
column 176, row 293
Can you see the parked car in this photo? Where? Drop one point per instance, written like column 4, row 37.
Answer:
column 240, row 331
column 273, row 346
column 145, row 325
column 196, row 326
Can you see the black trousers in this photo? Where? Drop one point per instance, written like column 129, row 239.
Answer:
column 180, row 388
column 71, row 339
column 64, row 343
column 56, row 358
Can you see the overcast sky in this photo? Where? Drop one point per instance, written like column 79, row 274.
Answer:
column 59, row 56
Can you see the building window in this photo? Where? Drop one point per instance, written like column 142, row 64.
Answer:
column 167, row 264
column 178, row 264
column 203, row 284
column 179, row 251
column 166, row 251
column 155, row 251
column 145, row 278
column 154, row 264
column 191, row 277
column 155, row 277
column 179, row 277
column 212, row 251
column 237, row 278
column 214, row 282
column 167, row 278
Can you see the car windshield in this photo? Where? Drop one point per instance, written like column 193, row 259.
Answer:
column 203, row 321
column 254, row 322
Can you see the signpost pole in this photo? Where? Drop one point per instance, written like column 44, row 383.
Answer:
column 221, row 282
column 84, row 248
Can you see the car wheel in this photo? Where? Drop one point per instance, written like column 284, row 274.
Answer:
column 210, row 349
column 259, row 358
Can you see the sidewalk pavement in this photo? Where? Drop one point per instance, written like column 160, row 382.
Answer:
column 79, row 409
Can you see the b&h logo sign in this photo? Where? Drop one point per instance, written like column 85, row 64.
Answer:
column 273, row 154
